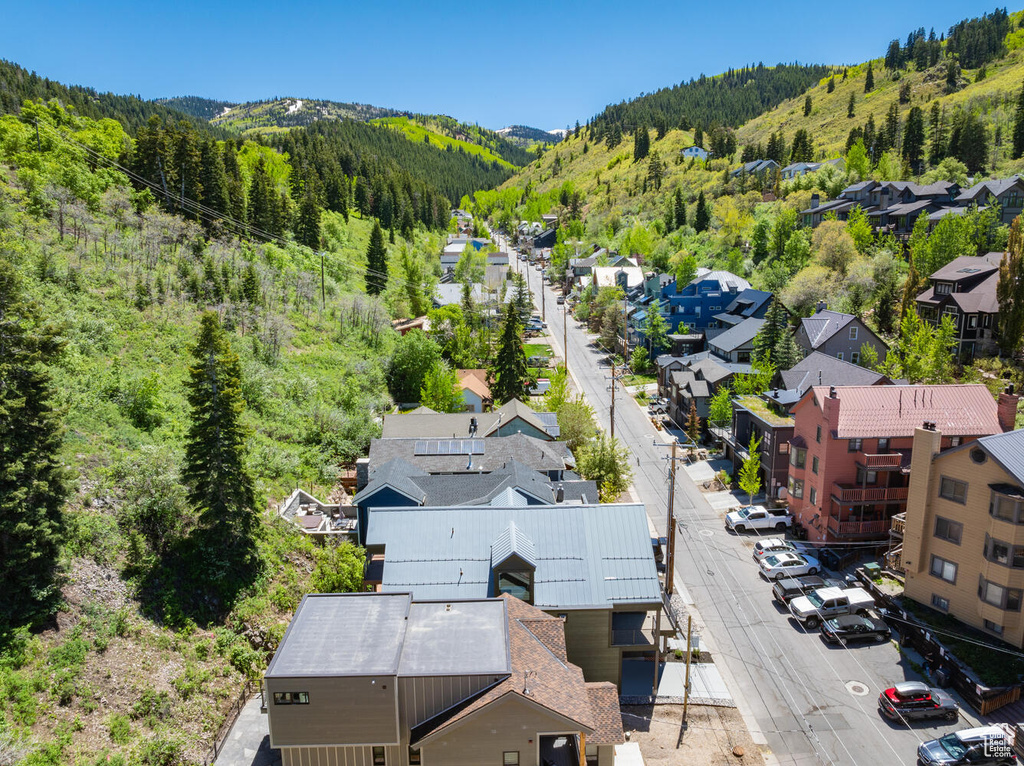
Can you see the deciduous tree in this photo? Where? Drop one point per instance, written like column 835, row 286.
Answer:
column 1010, row 292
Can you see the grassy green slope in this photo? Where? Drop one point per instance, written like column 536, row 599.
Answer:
column 421, row 131
column 286, row 113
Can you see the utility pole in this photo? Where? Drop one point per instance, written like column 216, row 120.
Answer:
column 565, row 333
column 323, row 289
column 612, row 416
column 625, row 330
column 686, row 687
column 670, row 532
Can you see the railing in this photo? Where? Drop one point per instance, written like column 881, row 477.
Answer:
column 899, row 524
column 852, row 494
column 233, row 712
column 875, row 462
column 627, row 637
column 894, row 559
column 857, row 528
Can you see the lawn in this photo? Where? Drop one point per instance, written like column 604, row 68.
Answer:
column 537, row 349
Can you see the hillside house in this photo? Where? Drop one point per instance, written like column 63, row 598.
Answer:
column 476, row 394
column 838, row 335
column 696, row 382
column 381, row 678
column 513, row 417
column 759, row 168
column 965, row 291
column 736, row 344
column 695, row 153
column 1008, row 192
column 698, row 302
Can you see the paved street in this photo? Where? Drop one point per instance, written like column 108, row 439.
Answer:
column 809, row 702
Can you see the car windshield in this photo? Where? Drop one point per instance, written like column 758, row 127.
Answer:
column 953, row 746
column 743, row 513
column 771, row 561
column 815, row 599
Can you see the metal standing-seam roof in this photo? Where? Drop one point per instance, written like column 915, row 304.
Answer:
column 823, row 325
column 512, row 542
column 895, row 411
column 1007, row 450
column 738, row 336
column 587, row 556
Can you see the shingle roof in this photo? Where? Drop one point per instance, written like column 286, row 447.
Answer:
column 400, row 475
column 967, row 266
column 1007, row 450
column 982, row 298
column 587, row 555
column 475, row 381
column 748, row 302
column 818, row 369
column 738, row 336
column 823, row 325
column 498, row 450
column 993, row 187
column 895, row 411
column 448, row 293
column 606, row 717
column 433, row 425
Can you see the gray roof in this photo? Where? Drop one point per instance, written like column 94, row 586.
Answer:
column 989, row 187
column 1007, row 450
column 576, row 491
column 823, row 325
column 968, row 266
column 818, row 369
column 434, row 425
column 748, row 302
column 497, row 451
column 448, row 293
column 365, row 634
column 738, row 336
column 727, row 281
column 512, row 542
column 587, row 555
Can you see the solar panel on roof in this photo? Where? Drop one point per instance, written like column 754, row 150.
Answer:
column 420, row 448
column 449, row 447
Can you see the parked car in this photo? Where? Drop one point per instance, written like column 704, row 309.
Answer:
column 913, row 700
column 855, row 627
column 560, row 300
column 772, row 545
column 984, row 745
column 790, row 588
column 779, row 565
column 758, row 517
column 824, row 603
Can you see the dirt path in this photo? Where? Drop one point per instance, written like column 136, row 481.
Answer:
column 710, row 738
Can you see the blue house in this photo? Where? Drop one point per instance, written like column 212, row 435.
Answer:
column 695, row 152
column 710, row 293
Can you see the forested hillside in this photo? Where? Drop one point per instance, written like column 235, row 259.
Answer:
column 197, row 106
column 150, row 606
column 526, row 136
column 286, row 113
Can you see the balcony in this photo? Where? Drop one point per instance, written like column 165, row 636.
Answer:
column 860, row 495
column 633, row 629
column 859, row 529
column 899, row 524
column 888, row 462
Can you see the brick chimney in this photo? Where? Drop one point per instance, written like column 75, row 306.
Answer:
column 822, row 305
column 927, row 444
column 1006, row 409
column 830, row 408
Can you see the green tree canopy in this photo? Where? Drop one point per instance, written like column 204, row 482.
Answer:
column 510, row 375
column 414, row 356
column 606, row 461
column 440, row 391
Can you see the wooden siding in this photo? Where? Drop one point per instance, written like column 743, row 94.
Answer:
column 359, row 710
column 339, row 756
column 588, row 644
column 422, row 698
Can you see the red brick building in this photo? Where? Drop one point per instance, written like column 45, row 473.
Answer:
column 849, row 466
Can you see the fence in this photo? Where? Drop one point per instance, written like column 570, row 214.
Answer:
column 941, row 663
column 233, row 712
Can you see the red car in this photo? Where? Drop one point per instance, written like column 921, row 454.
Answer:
column 913, row 700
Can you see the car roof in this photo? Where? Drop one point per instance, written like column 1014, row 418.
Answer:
column 829, row 592
column 912, row 687
column 846, row 620
column 980, row 733
column 800, row 582
column 787, row 556
column 770, row 542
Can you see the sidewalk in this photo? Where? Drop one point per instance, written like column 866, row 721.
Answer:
column 248, row 742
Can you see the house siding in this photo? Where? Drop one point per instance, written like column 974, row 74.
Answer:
column 328, row 719
column 421, row 698
column 588, row 635
column 339, row 756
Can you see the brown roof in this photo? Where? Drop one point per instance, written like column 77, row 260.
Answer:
column 475, row 381
column 553, row 683
column 895, row 411
column 607, row 718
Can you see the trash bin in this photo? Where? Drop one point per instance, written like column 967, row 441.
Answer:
column 942, row 678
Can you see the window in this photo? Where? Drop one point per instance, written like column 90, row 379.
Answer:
column 997, row 629
column 814, row 496
column 853, row 333
column 1005, row 508
column 414, row 757
column 954, row 441
column 510, row 758
column 796, row 487
column 942, row 288
column 783, row 448
column 940, row 603
column 855, row 445
column 814, row 464
column 839, row 356
column 798, row 457
column 866, row 477
column 883, row 445
column 855, row 357
column 972, row 320
column 378, row 757
column 998, row 552
column 999, row 595
column 518, row 584
column 944, row 570
column 291, row 698
column 948, row 530
column 954, row 490
column 817, row 435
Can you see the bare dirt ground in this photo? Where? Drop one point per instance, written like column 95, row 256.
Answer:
column 710, row 738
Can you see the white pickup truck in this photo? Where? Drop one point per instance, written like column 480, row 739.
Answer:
column 826, row 603
column 758, row 517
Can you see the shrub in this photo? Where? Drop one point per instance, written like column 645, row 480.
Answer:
column 152, row 707
column 120, row 729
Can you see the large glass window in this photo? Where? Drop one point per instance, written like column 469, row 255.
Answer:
column 1005, row 508
column 999, row 595
column 798, row 457
column 943, row 569
column 510, row 758
column 953, row 489
column 379, row 758
column 291, row 698
column 518, row 584
column 854, row 445
column 796, row 487
column 948, row 530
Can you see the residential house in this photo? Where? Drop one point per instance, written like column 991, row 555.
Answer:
column 695, row 152
column 513, row 417
column 767, row 419
column 696, row 382
column 497, row 259
column 449, row 261
column 1008, row 192
column 818, row 369
column 476, row 394
column 543, row 241
column 592, row 565
column 466, row 455
column 965, row 291
column 550, row 220
column 850, row 454
column 448, row 293
column 626, row 277
column 737, row 343
column 760, row 168
column 698, row 302
column 838, row 335
column 749, row 304
column 381, row 678
column 963, row 545
column 797, row 169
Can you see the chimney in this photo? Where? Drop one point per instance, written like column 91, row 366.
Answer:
column 560, row 495
column 927, row 444
column 815, row 201
column 1006, row 409
column 362, row 473
column 472, row 426
column 883, row 198
column 830, row 409
column 822, row 305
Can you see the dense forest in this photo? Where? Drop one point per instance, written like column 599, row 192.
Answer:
column 971, row 43
column 285, row 113
column 197, row 106
column 18, row 85
column 729, row 99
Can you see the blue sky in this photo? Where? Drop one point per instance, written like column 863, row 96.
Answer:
column 542, row 64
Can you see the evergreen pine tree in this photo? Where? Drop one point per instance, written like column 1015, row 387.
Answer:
column 1010, row 292
column 235, row 185
column 831, row 84
column 33, row 485
column 641, row 143
column 787, row 353
column 937, row 150
column 701, row 218
column 913, row 138
column 251, row 285
column 188, row 167
column 510, row 375
column 1018, row 127
column 214, row 179
column 376, row 261
column 850, row 106
column 869, row 80
column 219, row 485
column 680, row 208
column 698, row 137
column 693, row 429
column 307, row 225
column 807, row 105
column 776, row 324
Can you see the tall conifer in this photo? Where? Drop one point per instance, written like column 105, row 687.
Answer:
column 376, row 261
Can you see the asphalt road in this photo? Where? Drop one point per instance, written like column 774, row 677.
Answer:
column 809, row 702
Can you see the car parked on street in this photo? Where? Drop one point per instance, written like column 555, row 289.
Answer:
column 779, row 565
column 758, row 517
column 987, row 745
column 855, row 627
column 560, row 300
column 825, row 603
column 784, row 591
column 771, row 545
column 914, row 701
